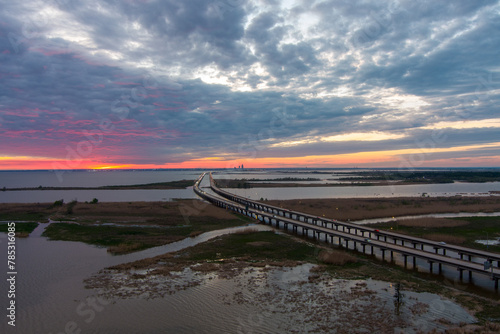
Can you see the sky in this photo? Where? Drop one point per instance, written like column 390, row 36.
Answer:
column 264, row 83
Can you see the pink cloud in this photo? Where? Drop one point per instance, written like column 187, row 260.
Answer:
column 125, row 83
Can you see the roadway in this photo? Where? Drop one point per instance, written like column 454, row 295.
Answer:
column 450, row 255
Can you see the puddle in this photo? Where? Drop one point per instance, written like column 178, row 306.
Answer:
column 490, row 242
column 433, row 215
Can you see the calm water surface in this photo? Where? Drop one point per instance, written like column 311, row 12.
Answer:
column 433, row 190
column 50, row 291
column 51, row 297
column 105, row 178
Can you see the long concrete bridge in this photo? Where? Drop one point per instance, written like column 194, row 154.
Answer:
column 386, row 242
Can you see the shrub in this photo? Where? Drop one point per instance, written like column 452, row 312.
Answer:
column 69, row 209
column 58, row 203
column 336, row 257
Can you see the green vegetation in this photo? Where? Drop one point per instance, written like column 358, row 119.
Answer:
column 268, row 248
column 426, row 176
column 280, row 182
column 70, row 206
column 23, row 228
column 181, row 184
column 370, row 178
column 159, row 185
column 26, row 212
column 478, row 228
column 253, row 246
column 58, row 203
column 124, row 239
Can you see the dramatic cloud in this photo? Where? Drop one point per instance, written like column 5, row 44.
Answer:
column 195, row 83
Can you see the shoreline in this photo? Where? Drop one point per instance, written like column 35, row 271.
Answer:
column 240, row 251
column 346, row 209
column 182, row 184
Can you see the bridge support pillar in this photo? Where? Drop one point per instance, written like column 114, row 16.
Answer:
column 415, row 262
column 392, row 256
column 383, row 254
column 440, row 268
column 461, row 273
column 444, row 251
column 364, row 248
column 470, row 276
column 430, row 266
column 496, row 283
column 405, row 259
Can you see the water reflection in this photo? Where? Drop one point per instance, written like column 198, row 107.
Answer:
column 263, row 300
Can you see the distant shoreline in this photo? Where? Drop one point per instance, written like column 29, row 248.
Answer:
column 182, row 184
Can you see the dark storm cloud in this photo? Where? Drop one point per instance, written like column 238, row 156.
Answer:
column 62, row 75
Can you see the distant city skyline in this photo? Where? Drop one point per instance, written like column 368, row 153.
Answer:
column 263, row 84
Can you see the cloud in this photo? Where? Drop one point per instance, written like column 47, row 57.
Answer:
column 232, row 79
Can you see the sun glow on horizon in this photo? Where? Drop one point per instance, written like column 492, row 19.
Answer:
column 382, row 158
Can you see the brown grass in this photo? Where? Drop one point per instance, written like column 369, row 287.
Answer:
column 146, row 213
column 449, row 239
column 366, row 208
column 432, row 222
column 154, row 213
column 206, row 267
column 258, row 243
column 247, row 230
column 124, row 248
column 195, row 234
column 336, row 257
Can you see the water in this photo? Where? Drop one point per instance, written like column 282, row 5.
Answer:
column 432, row 215
column 118, row 177
column 92, row 178
column 52, row 299
column 130, row 195
column 50, row 291
column 417, row 190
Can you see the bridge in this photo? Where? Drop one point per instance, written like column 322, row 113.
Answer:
column 369, row 239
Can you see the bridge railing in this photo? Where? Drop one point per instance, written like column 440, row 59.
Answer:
column 435, row 245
